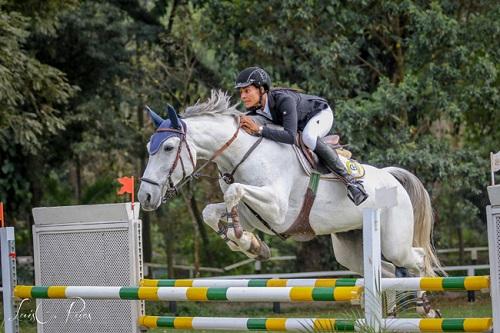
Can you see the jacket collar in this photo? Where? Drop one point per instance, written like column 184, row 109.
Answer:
column 271, row 102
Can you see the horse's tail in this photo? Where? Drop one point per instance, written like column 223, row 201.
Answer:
column 423, row 217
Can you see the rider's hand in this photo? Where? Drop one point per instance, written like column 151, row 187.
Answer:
column 249, row 125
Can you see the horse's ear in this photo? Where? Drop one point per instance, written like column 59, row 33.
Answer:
column 172, row 115
column 157, row 120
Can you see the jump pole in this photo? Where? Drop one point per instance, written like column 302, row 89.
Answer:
column 316, row 324
column 455, row 283
column 232, row 294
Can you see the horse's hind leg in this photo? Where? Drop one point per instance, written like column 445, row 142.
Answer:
column 396, row 236
column 397, row 229
column 348, row 250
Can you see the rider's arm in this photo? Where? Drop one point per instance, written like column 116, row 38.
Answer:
column 288, row 108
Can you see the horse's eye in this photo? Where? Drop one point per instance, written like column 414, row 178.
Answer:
column 168, row 148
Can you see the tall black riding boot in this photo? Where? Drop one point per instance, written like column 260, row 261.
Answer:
column 355, row 190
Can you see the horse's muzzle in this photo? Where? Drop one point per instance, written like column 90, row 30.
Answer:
column 149, row 197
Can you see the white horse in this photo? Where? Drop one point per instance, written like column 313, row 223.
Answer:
column 269, row 188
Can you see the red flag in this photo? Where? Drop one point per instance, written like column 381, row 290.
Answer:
column 2, row 222
column 127, row 187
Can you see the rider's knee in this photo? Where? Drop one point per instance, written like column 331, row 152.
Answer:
column 310, row 139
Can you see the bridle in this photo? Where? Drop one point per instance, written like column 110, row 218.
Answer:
column 172, row 190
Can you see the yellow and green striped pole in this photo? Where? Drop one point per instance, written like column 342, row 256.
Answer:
column 221, row 283
column 235, row 294
column 459, row 283
column 319, row 324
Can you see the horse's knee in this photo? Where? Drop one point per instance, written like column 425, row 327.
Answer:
column 233, row 195
column 211, row 216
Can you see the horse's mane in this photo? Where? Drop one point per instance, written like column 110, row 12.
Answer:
column 217, row 104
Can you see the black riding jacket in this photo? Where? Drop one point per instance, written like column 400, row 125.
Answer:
column 292, row 110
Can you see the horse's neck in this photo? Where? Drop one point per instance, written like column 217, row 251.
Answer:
column 209, row 133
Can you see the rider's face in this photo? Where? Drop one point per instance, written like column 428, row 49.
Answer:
column 250, row 96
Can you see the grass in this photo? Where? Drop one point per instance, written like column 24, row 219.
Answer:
column 452, row 305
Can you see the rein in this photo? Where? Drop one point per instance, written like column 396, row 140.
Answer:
column 229, row 177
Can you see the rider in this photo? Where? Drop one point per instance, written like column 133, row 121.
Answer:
column 294, row 111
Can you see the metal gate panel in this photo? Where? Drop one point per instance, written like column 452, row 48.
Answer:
column 91, row 245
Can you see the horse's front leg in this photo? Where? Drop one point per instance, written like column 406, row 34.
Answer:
column 215, row 215
column 264, row 200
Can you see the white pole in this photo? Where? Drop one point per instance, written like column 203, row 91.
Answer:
column 372, row 268
column 385, row 198
column 8, row 254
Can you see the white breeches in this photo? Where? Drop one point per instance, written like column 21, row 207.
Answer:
column 317, row 126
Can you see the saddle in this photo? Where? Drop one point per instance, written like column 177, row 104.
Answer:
column 310, row 161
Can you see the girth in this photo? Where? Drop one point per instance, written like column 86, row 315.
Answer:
column 300, row 229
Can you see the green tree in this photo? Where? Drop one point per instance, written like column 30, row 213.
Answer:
column 33, row 96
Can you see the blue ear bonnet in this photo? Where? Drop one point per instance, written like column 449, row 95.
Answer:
column 160, row 136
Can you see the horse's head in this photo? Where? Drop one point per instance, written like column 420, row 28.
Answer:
column 170, row 160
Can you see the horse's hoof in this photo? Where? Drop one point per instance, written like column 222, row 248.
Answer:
column 434, row 313
column 263, row 257
column 265, row 252
column 393, row 312
column 424, row 307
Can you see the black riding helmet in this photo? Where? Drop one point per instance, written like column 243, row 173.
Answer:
column 253, row 76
